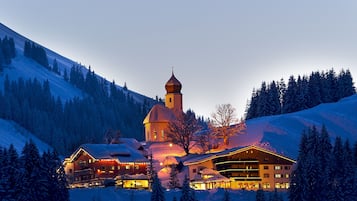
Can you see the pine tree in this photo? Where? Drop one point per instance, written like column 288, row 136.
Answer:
column 337, row 171
column 157, row 193
column 173, row 182
column 12, row 174
column 187, row 194
column 289, row 104
column 274, row 99
column 298, row 189
column 33, row 185
column 349, row 185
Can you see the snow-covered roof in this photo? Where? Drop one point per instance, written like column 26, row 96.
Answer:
column 159, row 113
column 121, row 152
column 229, row 152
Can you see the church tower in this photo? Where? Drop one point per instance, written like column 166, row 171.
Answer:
column 173, row 97
column 157, row 121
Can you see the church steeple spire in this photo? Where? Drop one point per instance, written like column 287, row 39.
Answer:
column 173, row 97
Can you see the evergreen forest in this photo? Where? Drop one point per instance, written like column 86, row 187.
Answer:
column 324, row 171
column 31, row 176
column 300, row 94
column 104, row 110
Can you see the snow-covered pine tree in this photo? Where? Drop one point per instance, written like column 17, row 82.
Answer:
column 323, row 157
column 337, row 173
column 157, row 193
column 12, row 176
column 33, row 182
column 298, row 188
column 349, row 185
column 173, row 182
column 187, row 194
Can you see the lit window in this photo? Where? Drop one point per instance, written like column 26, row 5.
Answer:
column 118, row 167
column 287, row 185
column 127, row 167
column 277, row 175
column 251, row 151
column 155, row 135
column 277, row 167
column 266, row 185
column 89, row 160
column 113, row 167
column 277, row 185
column 162, row 134
column 287, row 175
column 136, row 167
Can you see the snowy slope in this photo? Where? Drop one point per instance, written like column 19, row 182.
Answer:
column 27, row 68
column 282, row 132
column 12, row 133
column 142, row 195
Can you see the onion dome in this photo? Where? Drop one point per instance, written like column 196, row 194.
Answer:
column 173, row 85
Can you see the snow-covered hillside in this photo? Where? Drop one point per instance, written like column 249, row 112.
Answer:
column 24, row 67
column 12, row 133
column 282, row 132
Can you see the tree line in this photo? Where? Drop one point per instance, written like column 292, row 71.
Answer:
column 324, row 172
column 7, row 51
column 37, row 53
column 66, row 124
column 301, row 93
column 31, row 176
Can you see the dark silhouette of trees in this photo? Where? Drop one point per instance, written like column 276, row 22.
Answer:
column 301, row 93
column 7, row 51
column 31, row 176
column 323, row 172
column 37, row 53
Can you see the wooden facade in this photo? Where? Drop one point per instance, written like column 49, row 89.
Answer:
column 247, row 168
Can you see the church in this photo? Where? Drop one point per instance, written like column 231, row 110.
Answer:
column 157, row 121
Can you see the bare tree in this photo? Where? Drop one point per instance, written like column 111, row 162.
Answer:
column 224, row 123
column 182, row 131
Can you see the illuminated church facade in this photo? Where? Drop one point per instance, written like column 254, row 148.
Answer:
column 157, row 121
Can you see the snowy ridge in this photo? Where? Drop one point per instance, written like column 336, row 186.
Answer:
column 281, row 133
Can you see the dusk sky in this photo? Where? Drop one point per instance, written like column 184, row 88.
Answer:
column 220, row 50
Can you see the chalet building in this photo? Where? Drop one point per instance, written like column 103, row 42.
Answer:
column 157, row 120
column 93, row 164
column 248, row 168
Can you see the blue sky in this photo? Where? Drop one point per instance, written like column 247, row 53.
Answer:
column 220, row 50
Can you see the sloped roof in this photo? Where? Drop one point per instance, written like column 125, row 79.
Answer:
column 159, row 113
column 121, row 152
column 230, row 152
